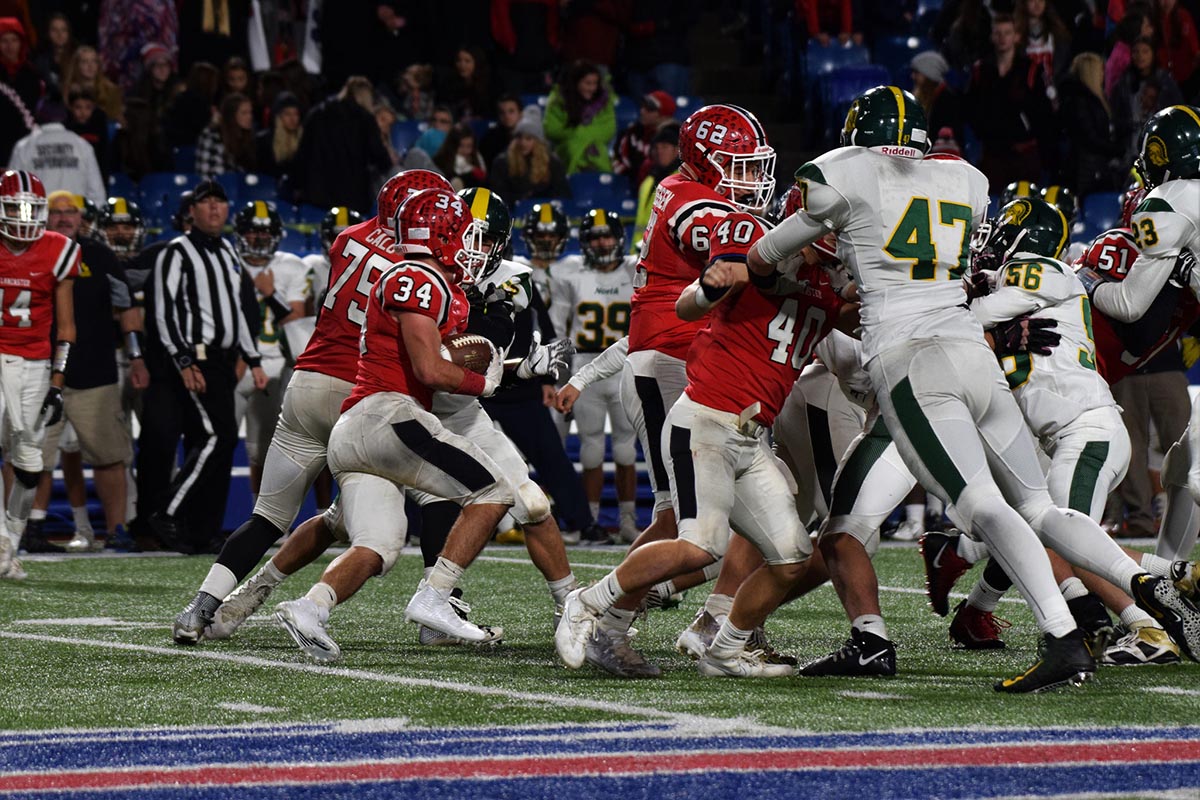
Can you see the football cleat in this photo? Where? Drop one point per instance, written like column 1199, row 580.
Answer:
column 908, row 531
column 1178, row 616
column 972, row 629
column 237, row 608
column 121, row 540
column 629, row 531
column 34, row 539
column 1144, row 646
column 610, row 650
column 758, row 641
column 594, row 534
column 1186, row 577
column 431, row 638
column 863, row 655
column 943, row 566
column 305, row 622
column 192, row 623
column 658, row 597
column 511, row 536
column 1092, row 618
column 570, row 537
column 574, row 630
column 1065, row 662
column 745, row 664
column 696, row 638
column 15, row 571
column 7, row 551
column 84, row 541
column 433, row 609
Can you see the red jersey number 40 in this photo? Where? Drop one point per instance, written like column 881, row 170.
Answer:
column 782, row 330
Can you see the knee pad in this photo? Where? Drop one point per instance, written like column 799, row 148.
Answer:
column 532, row 506
column 624, row 450
column 591, row 451
column 26, row 478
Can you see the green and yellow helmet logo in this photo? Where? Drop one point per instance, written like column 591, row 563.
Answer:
column 1016, row 212
column 1170, row 146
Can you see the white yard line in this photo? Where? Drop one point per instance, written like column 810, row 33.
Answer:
column 561, row 701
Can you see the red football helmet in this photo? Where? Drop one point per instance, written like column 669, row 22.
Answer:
column 1112, row 253
column 1130, row 200
column 22, row 206
column 437, row 223
column 725, row 147
column 402, row 186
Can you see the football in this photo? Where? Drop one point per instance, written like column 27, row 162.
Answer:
column 469, row 351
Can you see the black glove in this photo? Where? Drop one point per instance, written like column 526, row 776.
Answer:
column 1181, row 275
column 52, row 406
column 977, row 285
column 1025, row 335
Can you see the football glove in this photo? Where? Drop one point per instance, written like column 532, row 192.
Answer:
column 1025, row 335
column 978, row 284
column 1181, row 275
column 494, row 374
column 546, row 359
column 52, row 406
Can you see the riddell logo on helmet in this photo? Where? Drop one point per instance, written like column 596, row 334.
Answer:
column 898, row 150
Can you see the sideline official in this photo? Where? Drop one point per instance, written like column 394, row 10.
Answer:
column 201, row 324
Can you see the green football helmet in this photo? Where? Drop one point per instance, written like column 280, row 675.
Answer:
column 495, row 225
column 1170, row 146
column 889, row 119
column 1018, row 189
column 1063, row 199
column 1026, row 225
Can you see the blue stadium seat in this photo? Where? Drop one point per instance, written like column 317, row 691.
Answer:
column 896, row 53
column 184, row 158
column 842, row 85
column 686, row 104
column 627, row 112
column 598, row 188
column 823, row 60
column 121, row 185
column 405, row 132
column 232, row 181
column 480, row 128
column 538, row 100
column 924, row 6
column 252, row 186
column 1101, row 211
column 164, row 187
column 310, row 215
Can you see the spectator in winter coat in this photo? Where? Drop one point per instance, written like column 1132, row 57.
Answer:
column 459, row 160
column 63, row 160
column 55, row 51
column 1094, row 161
column 90, row 122
column 581, row 119
column 528, row 169
column 467, row 88
column 495, row 141
column 15, row 67
column 942, row 104
column 276, row 146
column 633, row 145
column 192, row 109
column 1144, row 89
column 228, row 144
column 159, row 84
column 341, row 150
column 84, row 71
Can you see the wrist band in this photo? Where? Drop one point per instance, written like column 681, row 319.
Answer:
column 472, row 383
column 701, row 298
column 765, row 282
column 133, row 344
column 62, row 352
column 277, row 306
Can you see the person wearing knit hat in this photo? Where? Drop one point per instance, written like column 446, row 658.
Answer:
column 527, row 169
column 278, row 144
column 154, row 52
column 530, row 124
column 943, row 105
column 631, row 151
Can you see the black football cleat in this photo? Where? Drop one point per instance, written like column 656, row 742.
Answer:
column 34, row 539
column 864, row 655
column 1092, row 618
column 1178, row 616
column 1065, row 661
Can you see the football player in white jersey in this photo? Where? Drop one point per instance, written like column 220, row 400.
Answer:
column 336, row 220
column 281, row 285
column 545, row 231
column 903, row 224
column 590, row 307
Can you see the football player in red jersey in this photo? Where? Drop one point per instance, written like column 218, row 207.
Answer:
column 740, row 369
column 37, row 268
column 323, row 378
column 387, row 440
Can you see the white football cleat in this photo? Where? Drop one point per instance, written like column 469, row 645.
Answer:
column 305, row 622
column 7, row 553
column 431, row 608
column 696, row 638
column 84, row 541
column 574, row 630
column 237, row 608
column 15, row 571
column 745, row 664
column 909, row 531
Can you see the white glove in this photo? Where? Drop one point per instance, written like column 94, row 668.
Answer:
column 494, row 374
column 546, row 359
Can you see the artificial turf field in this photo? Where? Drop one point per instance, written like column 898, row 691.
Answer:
column 97, row 700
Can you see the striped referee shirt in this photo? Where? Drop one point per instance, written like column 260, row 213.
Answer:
column 196, row 284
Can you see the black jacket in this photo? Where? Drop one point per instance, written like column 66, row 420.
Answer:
column 340, row 150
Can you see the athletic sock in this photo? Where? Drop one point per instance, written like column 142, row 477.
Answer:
column 1071, row 588
column 718, row 605
column 617, row 619
column 562, row 587
column 871, row 623
column 729, row 641
column 444, row 576
column 323, row 595
column 219, row 582
column 602, row 596
column 595, row 509
column 1133, row 618
column 1155, row 565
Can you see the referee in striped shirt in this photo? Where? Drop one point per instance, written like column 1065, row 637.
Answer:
column 201, row 324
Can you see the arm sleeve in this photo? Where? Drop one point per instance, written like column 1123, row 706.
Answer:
column 603, row 366
column 826, row 210
column 1128, row 300
column 170, row 294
